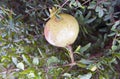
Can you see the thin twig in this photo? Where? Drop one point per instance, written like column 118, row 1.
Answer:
column 114, row 39
column 10, row 70
column 64, row 3
column 86, row 2
column 71, row 64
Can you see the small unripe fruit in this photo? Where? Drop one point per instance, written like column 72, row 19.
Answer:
column 62, row 31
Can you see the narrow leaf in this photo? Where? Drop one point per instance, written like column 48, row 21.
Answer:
column 83, row 49
column 20, row 65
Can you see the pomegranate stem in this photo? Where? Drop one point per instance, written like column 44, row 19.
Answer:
column 71, row 54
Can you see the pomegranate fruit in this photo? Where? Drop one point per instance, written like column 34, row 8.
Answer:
column 62, row 31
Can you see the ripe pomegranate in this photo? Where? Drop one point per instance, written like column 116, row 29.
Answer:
column 62, row 31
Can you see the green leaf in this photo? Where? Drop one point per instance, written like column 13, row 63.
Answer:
column 85, row 76
column 115, row 25
column 92, row 5
column 52, row 60
column 67, row 75
column 40, row 52
column 78, row 49
column 5, row 58
column 101, row 77
column 31, row 75
column 117, row 55
column 12, row 27
column 90, row 20
column 107, row 17
column 88, row 15
column 27, row 71
column 111, row 34
column 100, row 11
column 25, row 59
column 35, row 61
column 85, row 61
column 20, row 65
column 81, row 65
column 14, row 60
column 92, row 67
column 83, row 49
column 114, row 47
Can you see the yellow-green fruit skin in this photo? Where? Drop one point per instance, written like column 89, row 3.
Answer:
column 62, row 31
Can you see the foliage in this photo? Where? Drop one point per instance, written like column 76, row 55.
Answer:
column 25, row 54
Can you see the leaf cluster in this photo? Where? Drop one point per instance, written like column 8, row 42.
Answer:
column 25, row 54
